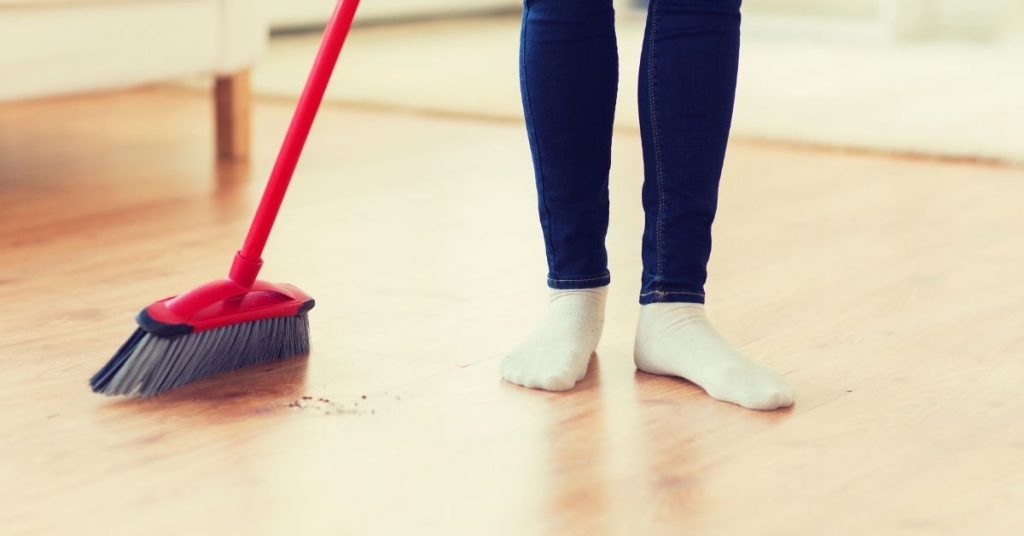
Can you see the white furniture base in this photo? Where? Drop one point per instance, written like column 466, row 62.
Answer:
column 62, row 47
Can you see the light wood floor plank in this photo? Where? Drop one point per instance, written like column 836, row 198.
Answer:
column 889, row 290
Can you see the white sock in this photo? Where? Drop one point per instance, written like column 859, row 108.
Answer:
column 677, row 339
column 556, row 355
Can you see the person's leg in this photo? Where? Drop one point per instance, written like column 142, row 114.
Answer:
column 687, row 88
column 569, row 79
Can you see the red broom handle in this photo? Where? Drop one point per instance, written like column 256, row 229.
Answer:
column 248, row 260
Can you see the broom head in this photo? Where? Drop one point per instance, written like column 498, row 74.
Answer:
column 218, row 327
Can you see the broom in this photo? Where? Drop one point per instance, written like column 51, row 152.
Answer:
column 235, row 322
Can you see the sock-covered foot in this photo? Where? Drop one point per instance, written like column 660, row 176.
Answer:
column 677, row 339
column 556, row 355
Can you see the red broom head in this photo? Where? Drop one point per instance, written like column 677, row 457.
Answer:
column 218, row 327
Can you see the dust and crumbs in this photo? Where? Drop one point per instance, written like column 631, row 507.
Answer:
column 363, row 405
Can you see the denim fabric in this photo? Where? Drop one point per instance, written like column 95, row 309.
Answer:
column 687, row 84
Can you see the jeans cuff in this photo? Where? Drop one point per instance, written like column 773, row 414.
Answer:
column 663, row 295
column 571, row 283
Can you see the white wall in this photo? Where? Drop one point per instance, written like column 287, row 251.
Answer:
column 284, row 13
column 840, row 8
column 897, row 20
column 977, row 20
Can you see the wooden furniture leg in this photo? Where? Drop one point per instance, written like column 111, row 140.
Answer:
column 232, row 102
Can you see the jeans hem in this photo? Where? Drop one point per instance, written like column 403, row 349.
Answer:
column 671, row 296
column 579, row 282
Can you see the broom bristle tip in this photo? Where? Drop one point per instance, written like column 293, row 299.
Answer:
column 148, row 364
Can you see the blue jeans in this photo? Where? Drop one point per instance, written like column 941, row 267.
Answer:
column 569, row 78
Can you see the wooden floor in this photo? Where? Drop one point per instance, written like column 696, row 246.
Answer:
column 891, row 292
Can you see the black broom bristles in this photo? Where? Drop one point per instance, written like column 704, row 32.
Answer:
column 149, row 364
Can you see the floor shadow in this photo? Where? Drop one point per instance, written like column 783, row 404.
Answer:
column 227, row 397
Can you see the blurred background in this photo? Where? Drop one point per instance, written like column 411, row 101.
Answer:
column 931, row 77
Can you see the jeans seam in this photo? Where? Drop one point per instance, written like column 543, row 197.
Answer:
column 531, row 132
column 656, row 138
